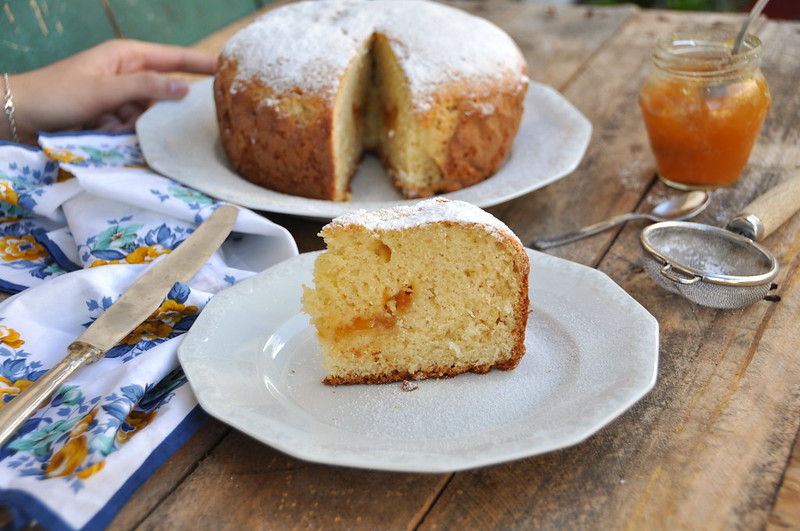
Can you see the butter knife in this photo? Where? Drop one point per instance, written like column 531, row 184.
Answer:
column 131, row 309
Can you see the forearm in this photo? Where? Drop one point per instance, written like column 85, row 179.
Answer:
column 15, row 124
column 105, row 87
column 8, row 126
column 5, row 128
column 50, row 99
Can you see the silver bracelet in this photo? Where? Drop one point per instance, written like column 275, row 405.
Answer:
column 8, row 107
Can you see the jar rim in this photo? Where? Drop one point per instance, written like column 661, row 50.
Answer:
column 707, row 53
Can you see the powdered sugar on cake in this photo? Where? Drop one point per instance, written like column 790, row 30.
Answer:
column 434, row 210
column 308, row 44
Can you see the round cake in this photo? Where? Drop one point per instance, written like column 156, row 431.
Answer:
column 429, row 290
column 304, row 90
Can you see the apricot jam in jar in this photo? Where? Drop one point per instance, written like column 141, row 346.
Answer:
column 703, row 107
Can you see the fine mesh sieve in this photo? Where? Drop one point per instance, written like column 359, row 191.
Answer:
column 716, row 267
column 708, row 265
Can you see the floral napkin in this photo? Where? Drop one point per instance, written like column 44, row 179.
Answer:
column 80, row 219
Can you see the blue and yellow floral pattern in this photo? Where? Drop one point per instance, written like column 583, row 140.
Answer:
column 113, row 151
column 74, row 434
column 21, row 250
column 121, row 243
column 87, row 200
column 24, row 247
column 16, row 372
column 21, row 185
column 172, row 318
column 75, row 441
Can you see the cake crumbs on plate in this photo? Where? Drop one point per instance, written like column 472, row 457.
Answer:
column 408, row 386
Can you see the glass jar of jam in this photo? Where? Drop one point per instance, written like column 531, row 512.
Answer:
column 703, row 107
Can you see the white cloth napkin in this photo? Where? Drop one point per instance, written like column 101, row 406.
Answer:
column 79, row 221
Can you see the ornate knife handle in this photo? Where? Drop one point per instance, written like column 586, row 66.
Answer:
column 23, row 406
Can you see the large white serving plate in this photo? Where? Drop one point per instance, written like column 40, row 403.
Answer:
column 253, row 361
column 180, row 139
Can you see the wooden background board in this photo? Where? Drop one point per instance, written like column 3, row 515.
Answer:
column 35, row 33
column 176, row 22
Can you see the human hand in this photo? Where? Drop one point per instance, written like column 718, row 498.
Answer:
column 105, row 87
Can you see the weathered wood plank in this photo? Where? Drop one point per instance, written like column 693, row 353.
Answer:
column 707, row 448
column 786, row 513
column 36, row 33
column 163, row 481
column 269, row 490
column 546, row 34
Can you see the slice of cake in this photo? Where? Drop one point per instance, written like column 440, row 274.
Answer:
column 430, row 290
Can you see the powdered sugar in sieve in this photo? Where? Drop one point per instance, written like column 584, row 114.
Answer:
column 708, row 265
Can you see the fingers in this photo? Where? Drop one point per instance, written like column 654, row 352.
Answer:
column 129, row 112
column 123, row 119
column 135, row 56
column 112, row 92
column 98, row 83
column 177, row 59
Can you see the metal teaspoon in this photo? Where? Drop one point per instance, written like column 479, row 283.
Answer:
column 754, row 13
column 677, row 208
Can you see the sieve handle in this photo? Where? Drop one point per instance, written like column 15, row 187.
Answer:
column 668, row 272
column 768, row 211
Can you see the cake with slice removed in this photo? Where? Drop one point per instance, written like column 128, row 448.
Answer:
column 306, row 89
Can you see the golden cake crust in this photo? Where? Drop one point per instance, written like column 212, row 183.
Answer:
column 274, row 149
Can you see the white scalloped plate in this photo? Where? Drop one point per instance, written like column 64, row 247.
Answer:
column 253, row 361
column 180, row 140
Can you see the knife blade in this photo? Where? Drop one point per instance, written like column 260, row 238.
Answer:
column 132, row 308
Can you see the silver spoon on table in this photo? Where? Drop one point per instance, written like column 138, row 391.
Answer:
column 677, row 208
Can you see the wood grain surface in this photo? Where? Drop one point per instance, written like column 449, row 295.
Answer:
column 712, row 446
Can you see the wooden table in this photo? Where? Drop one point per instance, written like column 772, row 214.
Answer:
column 712, row 446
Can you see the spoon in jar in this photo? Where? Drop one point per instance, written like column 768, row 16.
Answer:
column 756, row 10
column 677, row 208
